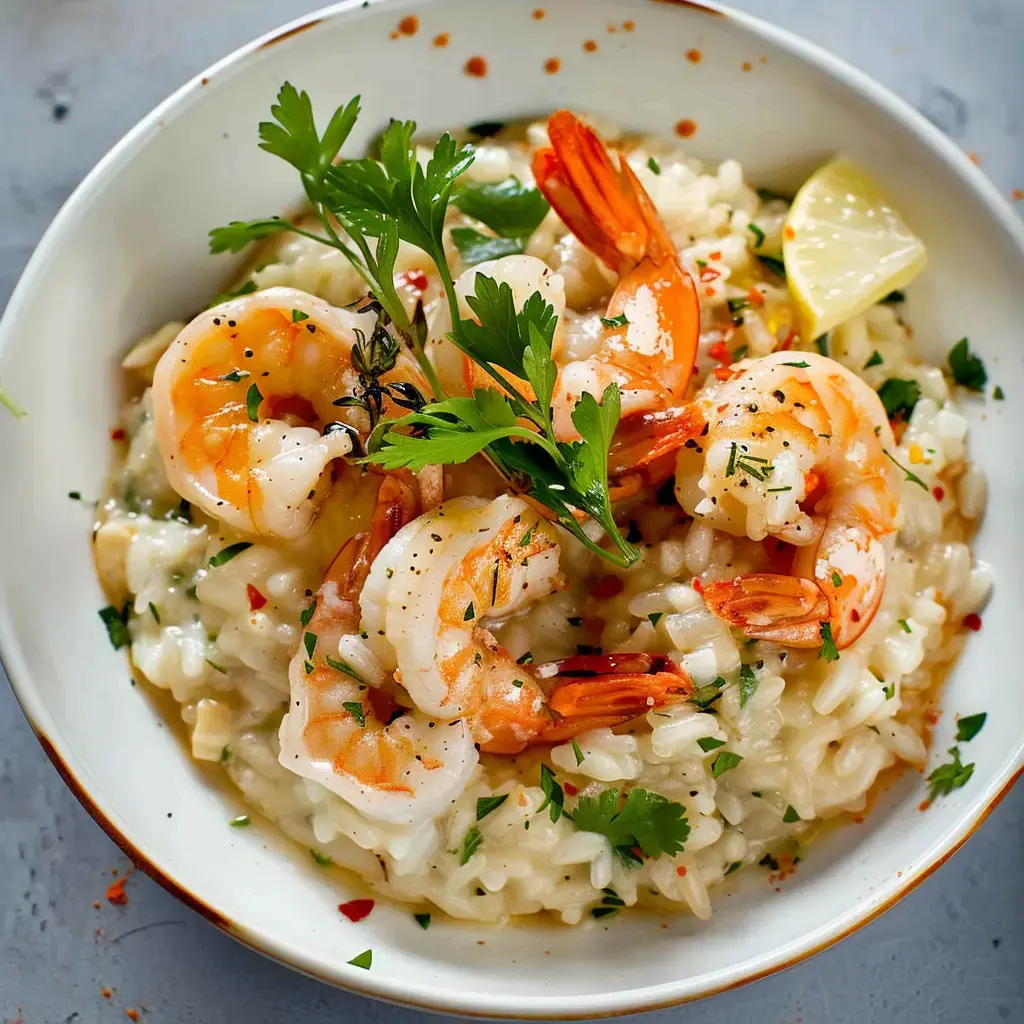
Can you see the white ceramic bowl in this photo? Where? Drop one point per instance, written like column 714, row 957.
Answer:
column 128, row 252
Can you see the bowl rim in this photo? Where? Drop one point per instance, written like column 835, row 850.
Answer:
column 432, row 997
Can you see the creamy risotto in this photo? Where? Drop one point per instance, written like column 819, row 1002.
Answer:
column 675, row 583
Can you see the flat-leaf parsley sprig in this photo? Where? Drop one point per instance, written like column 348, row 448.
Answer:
column 396, row 198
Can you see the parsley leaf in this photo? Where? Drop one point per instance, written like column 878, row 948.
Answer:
column 364, row 960
column 509, row 208
column 645, row 820
column 912, row 478
column 899, row 396
column 486, row 804
column 226, row 554
column 709, row 743
column 948, row 777
column 355, row 709
column 423, row 920
column 578, row 753
column 875, row 359
column 967, row 368
column 969, row 727
column 470, row 844
column 748, row 684
column 476, row 247
column 116, row 622
column 726, row 759
column 790, row 816
column 553, row 793
column 829, row 651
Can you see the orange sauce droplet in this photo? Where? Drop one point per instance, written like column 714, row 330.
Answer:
column 789, row 233
column 685, row 128
column 629, row 25
column 1018, row 194
column 694, row 56
column 590, row 46
column 442, row 39
column 409, row 25
column 747, row 66
column 552, row 65
column 975, row 159
column 538, row 14
column 612, row 29
column 764, row 60
column 396, row 34
column 476, row 66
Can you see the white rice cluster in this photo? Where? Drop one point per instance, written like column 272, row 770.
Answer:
column 813, row 737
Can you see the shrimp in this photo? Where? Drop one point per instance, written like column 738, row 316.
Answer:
column 797, row 449
column 427, row 603
column 652, row 325
column 341, row 729
column 242, row 403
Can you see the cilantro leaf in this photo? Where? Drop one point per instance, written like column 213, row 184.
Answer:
column 116, row 621
column 899, row 396
column 486, row 804
column 829, row 651
column 645, row 820
column 554, row 795
column 948, row 777
column 509, row 208
column 748, row 684
column 967, row 368
column 470, row 844
column 726, row 759
column 475, row 247
column 234, row 237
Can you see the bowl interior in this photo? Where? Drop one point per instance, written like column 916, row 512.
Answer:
column 128, row 253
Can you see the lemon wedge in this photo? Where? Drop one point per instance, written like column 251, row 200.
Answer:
column 845, row 247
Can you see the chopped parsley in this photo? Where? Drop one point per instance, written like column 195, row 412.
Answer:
column 829, row 651
column 705, row 696
column 341, row 666
column 234, row 376
column 216, row 666
column 967, row 368
column 423, row 920
column 153, row 611
column 554, row 796
column 469, row 613
column 899, row 396
column 615, row 321
column 904, row 625
column 253, row 398
column 758, row 235
column 733, row 867
column 307, row 613
column 969, row 727
column 708, row 743
column 950, row 776
column 364, row 960
column 470, row 844
column 912, row 478
column 821, row 344
column 653, row 165
column 801, row 365
column 75, row 495
column 790, row 816
column 298, row 316
column 225, row 755
column 654, row 617
column 769, row 862
column 486, row 804
column 894, row 297
column 998, row 394
column 777, row 267
column 748, row 684
column 889, row 690
column 639, row 820
column 321, row 858
column 116, row 622
column 875, row 359
column 837, row 580
column 226, row 554
column 309, row 642
column 525, row 659
column 611, row 904
column 723, row 762
column 242, row 821
column 577, row 753
column 355, row 709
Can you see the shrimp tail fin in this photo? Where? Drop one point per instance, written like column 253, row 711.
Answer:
column 767, row 606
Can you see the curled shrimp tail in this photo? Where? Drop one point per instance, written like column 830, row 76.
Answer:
column 642, row 438
column 767, row 606
column 605, row 690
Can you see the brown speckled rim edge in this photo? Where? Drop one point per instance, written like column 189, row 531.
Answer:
column 807, row 52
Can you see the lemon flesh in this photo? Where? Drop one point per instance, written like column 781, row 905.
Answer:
column 845, row 247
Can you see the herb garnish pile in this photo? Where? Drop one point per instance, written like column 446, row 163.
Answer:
column 377, row 204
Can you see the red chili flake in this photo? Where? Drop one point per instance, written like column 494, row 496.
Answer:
column 973, row 621
column 709, row 292
column 694, row 56
column 476, row 67
column 356, row 910
column 570, row 788
column 716, row 255
column 722, row 372
column 788, row 233
column 924, row 805
column 416, row 279
column 629, row 25
column 107, row 993
column 256, row 599
column 975, row 159
column 938, row 493
column 552, row 65
column 607, row 586
column 538, row 14
column 755, row 297
column 409, row 26
column 116, row 893
column 747, row 66
column 1018, row 194
column 441, row 40
column 685, row 128
column 789, row 339
column 131, row 1013
column 855, row 615
column 117, row 434
column 720, row 353
column 681, row 871
column 590, row 46
column 638, row 853
column 697, row 585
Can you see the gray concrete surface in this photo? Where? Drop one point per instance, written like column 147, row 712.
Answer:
column 74, row 75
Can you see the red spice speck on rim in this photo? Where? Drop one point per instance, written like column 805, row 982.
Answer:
column 747, row 66
column 924, row 805
column 117, row 434
column 590, row 46
column 131, row 1013
column 442, row 39
column 538, row 14
column 552, row 65
column 694, row 56
column 685, row 128
column 1018, row 194
column 116, row 893
column 973, row 621
column 409, row 25
column 975, row 159
column 107, row 993
column 356, row 910
column 256, row 599
column 475, row 67
column 628, row 26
